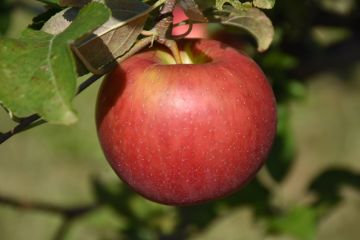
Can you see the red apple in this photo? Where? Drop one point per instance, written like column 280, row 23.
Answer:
column 182, row 134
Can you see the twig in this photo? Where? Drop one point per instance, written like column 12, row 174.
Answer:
column 65, row 212
column 22, row 126
column 141, row 44
column 87, row 83
column 68, row 214
column 35, row 120
column 63, row 229
column 164, row 26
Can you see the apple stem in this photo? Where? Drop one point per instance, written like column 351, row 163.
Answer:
column 172, row 45
column 164, row 29
column 139, row 45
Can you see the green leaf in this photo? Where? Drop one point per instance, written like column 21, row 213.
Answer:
column 299, row 222
column 4, row 17
column 102, row 223
column 266, row 4
column 74, row 3
column 338, row 7
column 253, row 20
column 108, row 42
column 327, row 36
column 235, row 3
column 281, row 157
column 70, row 3
column 38, row 70
column 52, row 2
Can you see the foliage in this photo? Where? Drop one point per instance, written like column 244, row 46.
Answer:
column 49, row 69
column 263, row 209
column 54, row 83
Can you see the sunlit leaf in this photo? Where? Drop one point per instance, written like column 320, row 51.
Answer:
column 60, row 21
column 115, row 37
column 235, row 3
column 253, row 20
column 299, row 222
column 109, row 41
column 266, row 4
column 38, row 70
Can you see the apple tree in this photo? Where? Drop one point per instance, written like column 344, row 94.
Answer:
column 71, row 45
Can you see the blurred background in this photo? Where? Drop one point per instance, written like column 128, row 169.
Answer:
column 56, row 184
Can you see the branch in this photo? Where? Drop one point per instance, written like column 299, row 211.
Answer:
column 68, row 213
column 35, row 120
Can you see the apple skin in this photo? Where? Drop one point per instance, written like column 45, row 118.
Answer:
column 183, row 134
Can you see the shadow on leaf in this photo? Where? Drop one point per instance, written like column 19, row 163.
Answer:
column 327, row 185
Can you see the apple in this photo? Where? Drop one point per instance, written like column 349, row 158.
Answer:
column 183, row 134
